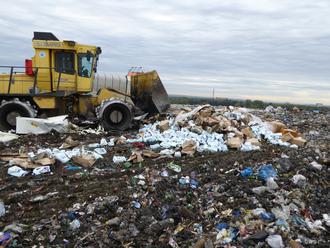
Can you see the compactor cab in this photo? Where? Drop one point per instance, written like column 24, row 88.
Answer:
column 69, row 66
column 59, row 80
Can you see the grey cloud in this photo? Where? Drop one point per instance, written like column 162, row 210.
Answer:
column 254, row 49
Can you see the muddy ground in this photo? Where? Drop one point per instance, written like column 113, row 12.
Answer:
column 103, row 198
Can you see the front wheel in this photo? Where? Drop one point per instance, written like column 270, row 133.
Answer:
column 115, row 115
column 10, row 110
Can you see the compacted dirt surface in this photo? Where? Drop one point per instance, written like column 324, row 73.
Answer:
column 147, row 205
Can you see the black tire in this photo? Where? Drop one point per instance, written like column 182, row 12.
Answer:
column 9, row 108
column 125, row 117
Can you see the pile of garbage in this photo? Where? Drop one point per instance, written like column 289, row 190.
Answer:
column 206, row 128
column 203, row 129
column 171, row 184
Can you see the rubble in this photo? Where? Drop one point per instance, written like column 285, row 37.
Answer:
column 180, row 187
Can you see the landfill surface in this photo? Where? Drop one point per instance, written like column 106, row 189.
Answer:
column 149, row 188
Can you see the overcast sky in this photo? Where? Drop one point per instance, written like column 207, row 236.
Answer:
column 275, row 50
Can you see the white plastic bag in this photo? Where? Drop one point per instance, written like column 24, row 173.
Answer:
column 17, row 171
column 41, row 170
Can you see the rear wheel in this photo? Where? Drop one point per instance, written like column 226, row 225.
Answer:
column 115, row 115
column 10, row 110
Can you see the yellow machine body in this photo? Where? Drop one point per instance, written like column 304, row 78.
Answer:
column 59, row 78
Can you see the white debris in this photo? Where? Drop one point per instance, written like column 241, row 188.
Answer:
column 61, row 155
column 258, row 211
column 261, row 129
column 93, row 145
column 103, row 142
column 175, row 137
column 247, row 146
column 167, row 152
column 2, row 208
column 316, row 165
column 41, row 170
column 326, row 219
column 259, row 190
column 7, row 137
column 25, row 125
column 111, row 142
column 275, row 241
column 119, row 159
column 75, row 224
column 17, row 171
column 177, row 154
column 95, row 155
column 298, row 178
column 314, row 226
column 141, row 182
column 100, row 151
column 155, row 146
column 271, row 184
column 188, row 115
column 270, row 108
column 75, row 152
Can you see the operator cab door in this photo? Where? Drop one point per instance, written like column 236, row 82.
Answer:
column 86, row 61
column 64, row 73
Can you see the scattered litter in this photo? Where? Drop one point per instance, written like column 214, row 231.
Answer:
column 316, row 165
column 174, row 167
column 150, row 154
column 75, row 224
column 275, row 241
column 299, row 180
column 17, row 171
column 100, row 151
column 119, row 159
column 247, row 172
column 72, row 167
column 2, row 208
column 266, row 171
column 86, row 160
column 41, row 170
column 136, row 157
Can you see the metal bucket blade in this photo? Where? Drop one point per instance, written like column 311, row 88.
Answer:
column 148, row 92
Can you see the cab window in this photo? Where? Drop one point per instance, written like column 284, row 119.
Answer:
column 85, row 64
column 64, row 62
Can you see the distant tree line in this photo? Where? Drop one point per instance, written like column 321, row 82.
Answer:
column 256, row 104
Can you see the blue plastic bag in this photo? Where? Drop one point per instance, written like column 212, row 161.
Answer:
column 247, row 172
column 266, row 171
column 221, row 226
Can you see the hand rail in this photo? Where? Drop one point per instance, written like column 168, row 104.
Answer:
column 10, row 78
column 36, row 72
column 33, row 67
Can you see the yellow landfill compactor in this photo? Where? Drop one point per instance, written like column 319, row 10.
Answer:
column 59, row 80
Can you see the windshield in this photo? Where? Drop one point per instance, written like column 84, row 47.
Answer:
column 85, row 64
